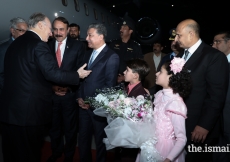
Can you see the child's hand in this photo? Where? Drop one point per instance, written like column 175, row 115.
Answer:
column 167, row 160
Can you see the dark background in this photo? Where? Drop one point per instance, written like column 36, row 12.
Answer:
column 212, row 16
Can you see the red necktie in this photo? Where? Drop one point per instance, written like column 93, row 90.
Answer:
column 58, row 54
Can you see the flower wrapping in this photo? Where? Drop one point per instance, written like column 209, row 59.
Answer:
column 130, row 122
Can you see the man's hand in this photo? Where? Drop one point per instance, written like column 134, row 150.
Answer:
column 199, row 134
column 82, row 104
column 60, row 91
column 120, row 78
column 83, row 73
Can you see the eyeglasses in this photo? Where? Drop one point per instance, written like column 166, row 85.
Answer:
column 219, row 41
column 20, row 30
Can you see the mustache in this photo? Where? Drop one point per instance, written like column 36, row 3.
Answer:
column 58, row 35
column 154, row 49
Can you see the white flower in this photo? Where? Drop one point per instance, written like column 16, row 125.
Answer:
column 127, row 111
column 122, row 97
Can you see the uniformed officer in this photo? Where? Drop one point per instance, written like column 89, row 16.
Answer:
column 125, row 47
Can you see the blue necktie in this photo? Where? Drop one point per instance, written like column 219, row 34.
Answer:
column 92, row 58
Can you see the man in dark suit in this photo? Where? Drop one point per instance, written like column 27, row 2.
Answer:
column 26, row 99
column 221, row 41
column 64, row 99
column 209, row 71
column 18, row 26
column 104, row 64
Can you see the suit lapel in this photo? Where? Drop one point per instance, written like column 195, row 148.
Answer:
column 195, row 56
column 99, row 56
column 192, row 61
column 66, row 52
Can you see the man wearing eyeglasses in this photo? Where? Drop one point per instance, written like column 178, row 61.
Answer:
column 221, row 42
column 18, row 26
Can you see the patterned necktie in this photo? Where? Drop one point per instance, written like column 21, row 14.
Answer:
column 92, row 58
column 58, row 54
column 186, row 54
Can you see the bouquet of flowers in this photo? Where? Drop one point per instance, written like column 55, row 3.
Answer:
column 130, row 121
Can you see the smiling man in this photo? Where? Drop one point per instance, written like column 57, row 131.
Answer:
column 104, row 64
column 69, row 54
column 26, row 99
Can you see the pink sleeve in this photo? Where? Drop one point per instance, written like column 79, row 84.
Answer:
column 178, row 123
column 178, row 107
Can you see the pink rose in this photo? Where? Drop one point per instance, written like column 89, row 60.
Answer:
column 141, row 114
column 128, row 101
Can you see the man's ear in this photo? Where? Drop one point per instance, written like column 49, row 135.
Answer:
column 40, row 25
column 130, row 31
column 12, row 31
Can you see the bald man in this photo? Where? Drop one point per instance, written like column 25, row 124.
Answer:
column 209, row 71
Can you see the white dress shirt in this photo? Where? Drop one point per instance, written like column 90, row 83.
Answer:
column 62, row 47
column 192, row 49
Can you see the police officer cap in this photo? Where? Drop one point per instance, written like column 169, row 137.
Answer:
column 129, row 23
column 172, row 33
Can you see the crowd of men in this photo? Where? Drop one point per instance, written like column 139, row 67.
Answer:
column 46, row 75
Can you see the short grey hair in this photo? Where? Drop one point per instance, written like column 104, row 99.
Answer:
column 15, row 21
column 100, row 29
column 35, row 18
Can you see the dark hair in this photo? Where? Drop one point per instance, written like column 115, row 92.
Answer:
column 62, row 19
column 74, row 25
column 180, row 82
column 100, row 29
column 226, row 34
column 158, row 42
column 139, row 66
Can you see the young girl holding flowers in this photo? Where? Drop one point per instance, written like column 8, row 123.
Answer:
column 170, row 110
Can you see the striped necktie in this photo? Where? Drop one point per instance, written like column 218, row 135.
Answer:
column 186, row 54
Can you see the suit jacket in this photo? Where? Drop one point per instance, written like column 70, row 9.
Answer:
column 137, row 90
column 150, row 79
column 209, row 72
column 226, row 113
column 104, row 72
column 26, row 99
column 72, row 58
column 3, row 48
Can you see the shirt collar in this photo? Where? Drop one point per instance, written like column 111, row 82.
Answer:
column 100, row 49
column 36, row 33
column 131, row 86
column 228, row 57
column 194, row 47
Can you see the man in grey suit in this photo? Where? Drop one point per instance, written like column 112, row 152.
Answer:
column 104, row 64
column 18, row 26
column 26, row 99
